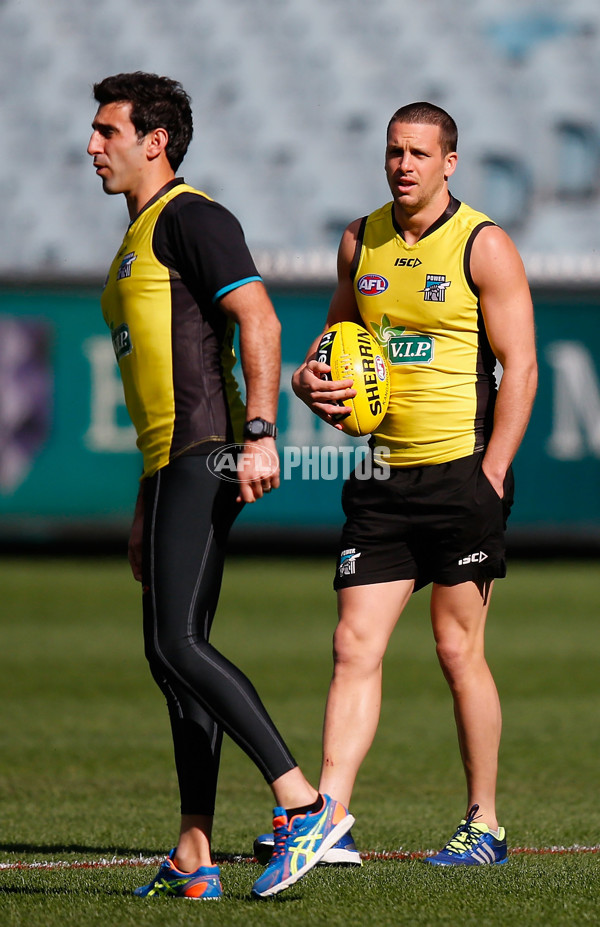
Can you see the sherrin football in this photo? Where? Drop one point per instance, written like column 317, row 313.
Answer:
column 351, row 351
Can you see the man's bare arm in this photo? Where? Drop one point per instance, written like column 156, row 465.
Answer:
column 308, row 384
column 507, row 309
column 260, row 355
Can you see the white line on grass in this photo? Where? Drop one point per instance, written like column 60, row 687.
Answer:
column 399, row 855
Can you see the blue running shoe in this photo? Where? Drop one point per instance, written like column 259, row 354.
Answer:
column 300, row 843
column 342, row 853
column 473, row 845
column 202, row 884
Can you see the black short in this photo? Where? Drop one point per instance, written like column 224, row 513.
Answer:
column 443, row 523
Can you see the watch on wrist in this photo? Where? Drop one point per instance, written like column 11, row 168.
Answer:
column 259, row 428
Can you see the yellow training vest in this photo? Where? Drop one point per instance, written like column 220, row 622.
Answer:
column 145, row 305
column 420, row 303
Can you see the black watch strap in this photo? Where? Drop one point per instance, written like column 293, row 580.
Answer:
column 259, row 428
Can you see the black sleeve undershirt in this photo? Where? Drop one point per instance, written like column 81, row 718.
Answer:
column 204, row 243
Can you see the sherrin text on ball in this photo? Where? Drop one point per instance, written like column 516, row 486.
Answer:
column 352, row 352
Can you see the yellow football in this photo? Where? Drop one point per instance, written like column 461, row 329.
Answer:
column 351, row 351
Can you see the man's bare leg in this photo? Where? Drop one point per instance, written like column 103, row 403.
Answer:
column 367, row 617
column 193, row 846
column 291, row 790
column 458, row 615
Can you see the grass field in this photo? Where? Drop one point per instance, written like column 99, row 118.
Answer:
column 86, row 768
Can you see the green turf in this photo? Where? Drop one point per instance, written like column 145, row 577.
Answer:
column 86, row 767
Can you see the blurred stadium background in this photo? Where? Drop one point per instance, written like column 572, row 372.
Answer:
column 291, row 99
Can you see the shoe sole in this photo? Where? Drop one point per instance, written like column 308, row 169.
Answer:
column 496, row 862
column 183, row 897
column 338, row 831
column 335, row 857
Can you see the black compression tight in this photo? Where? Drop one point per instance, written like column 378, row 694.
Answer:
column 187, row 517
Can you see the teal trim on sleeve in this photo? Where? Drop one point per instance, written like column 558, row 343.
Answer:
column 234, row 286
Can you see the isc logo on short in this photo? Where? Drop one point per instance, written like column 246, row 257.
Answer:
column 477, row 557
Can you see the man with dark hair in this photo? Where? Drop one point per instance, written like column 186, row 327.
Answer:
column 155, row 101
column 431, row 115
column 452, row 298
column 182, row 279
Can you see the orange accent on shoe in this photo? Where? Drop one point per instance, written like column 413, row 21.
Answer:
column 196, row 891
column 339, row 813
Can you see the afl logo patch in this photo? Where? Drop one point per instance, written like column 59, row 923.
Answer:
column 380, row 368
column 372, row 285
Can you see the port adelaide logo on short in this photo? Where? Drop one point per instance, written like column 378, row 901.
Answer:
column 348, row 558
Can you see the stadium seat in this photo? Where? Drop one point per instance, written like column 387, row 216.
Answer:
column 290, row 101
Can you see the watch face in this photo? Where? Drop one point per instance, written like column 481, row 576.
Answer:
column 255, row 428
column 258, row 428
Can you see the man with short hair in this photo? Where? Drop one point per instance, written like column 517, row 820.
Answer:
column 182, row 279
column 452, row 281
